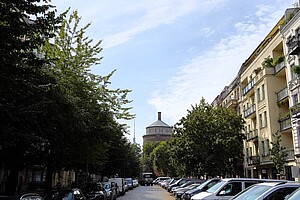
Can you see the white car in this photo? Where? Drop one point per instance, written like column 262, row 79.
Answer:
column 268, row 190
column 228, row 187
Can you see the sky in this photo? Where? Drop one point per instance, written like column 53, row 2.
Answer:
column 173, row 53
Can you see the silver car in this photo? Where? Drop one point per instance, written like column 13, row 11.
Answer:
column 267, row 190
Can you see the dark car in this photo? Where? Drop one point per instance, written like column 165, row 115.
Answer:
column 28, row 196
column 179, row 183
column 187, row 195
column 96, row 191
column 65, row 194
column 110, row 190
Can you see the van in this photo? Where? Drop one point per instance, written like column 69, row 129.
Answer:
column 120, row 183
column 228, row 187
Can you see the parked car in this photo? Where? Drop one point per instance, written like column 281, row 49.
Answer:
column 62, row 194
column 164, row 184
column 110, row 191
column 267, row 190
column 28, row 196
column 129, row 182
column 202, row 187
column 173, row 180
column 161, row 178
column 294, row 195
column 229, row 187
column 177, row 193
column 96, row 191
column 120, row 183
column 190, row 182
column 135, row 183
column 179, row 183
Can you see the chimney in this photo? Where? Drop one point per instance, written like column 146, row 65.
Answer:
column 159, row 116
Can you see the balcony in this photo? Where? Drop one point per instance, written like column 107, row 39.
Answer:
column 282, row 94
column 295, row 110
column 248, row 87
column 290, row 155
column 253, row 160
column 293, row 44
column 279, row 67
column 232, row 102
column 252, row 135
column 285, row 123
column 250, row 111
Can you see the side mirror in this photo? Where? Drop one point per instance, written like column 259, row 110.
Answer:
column 31, row 196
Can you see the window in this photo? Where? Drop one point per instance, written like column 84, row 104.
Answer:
column 260, row 121
column 281, row 193
column 262, row 92
column 265, row 119
column 295, row 99
column 231, row 189
column 293, row 75
column 263, row 148
column 258, row 94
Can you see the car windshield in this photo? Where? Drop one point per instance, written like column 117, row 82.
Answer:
column 252, row 192
column 215, row 187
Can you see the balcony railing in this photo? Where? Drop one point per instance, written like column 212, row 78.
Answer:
column 252, row 135
column 290, row 154
column 293, row 44
column 295, row 110
column 279, row 67
column 232, row 103
column 253, row 160
column 249, row 111
column 282, row 94
column 285, row 123
column 248, row 87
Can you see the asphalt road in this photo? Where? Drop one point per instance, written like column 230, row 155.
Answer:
column 147, row 193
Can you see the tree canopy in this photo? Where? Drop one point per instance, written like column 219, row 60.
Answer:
column 54, row 111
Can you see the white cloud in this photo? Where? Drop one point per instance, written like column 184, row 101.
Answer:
column 208, row 73
column 162, row 12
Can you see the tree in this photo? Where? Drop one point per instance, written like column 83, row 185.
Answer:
column 96, row 107
column 278, row 156
column 24, row 28
column 209, row 141
column 146, row 161
column 161, row 159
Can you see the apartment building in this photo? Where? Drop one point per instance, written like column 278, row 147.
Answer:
column 266, row 93
column 291, row 36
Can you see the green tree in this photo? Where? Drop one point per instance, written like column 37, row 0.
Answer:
column 97, row 107
column 24, row 28
column 161, row 159
column 209, row 141
column 146, row 161
column 278, row 156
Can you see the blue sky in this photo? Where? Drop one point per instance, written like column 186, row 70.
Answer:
column 171, row 53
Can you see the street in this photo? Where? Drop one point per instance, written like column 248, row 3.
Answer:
column 147, row 193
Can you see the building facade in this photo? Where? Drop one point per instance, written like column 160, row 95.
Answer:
column 158, row 131
column 266, row 93
column 291, row 36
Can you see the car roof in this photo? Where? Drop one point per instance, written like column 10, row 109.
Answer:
column 270, row 183
column 253, row 179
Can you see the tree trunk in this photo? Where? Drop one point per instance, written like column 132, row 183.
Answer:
column 12, row 182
